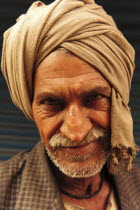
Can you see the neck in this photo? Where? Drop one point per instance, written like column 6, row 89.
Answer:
column 84, row 186
column 78, row 186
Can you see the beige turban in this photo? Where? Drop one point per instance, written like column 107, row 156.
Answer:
column 84, row 28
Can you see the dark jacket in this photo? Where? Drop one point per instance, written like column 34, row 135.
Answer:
column 27, row 183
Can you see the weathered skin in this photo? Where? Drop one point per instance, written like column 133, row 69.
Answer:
column 62, row 83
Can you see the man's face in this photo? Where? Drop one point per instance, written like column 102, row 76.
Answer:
column 71, row 108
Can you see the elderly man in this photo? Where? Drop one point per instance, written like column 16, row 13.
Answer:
column 69, row 69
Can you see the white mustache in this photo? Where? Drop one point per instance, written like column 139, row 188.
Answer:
column 59, row 140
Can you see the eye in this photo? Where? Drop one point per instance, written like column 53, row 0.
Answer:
column 52, row 104
column 94, row 99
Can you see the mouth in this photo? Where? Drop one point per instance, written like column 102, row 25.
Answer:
column 80, row 150
column 76, row 146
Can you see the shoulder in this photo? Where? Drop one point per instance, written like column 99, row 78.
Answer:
column 136, row 172
column 12, row 173
column 17, row 164
column 127, row 188
column 14, row 164
column 133, row 176
column 130, row 179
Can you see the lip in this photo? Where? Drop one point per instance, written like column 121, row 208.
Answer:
column 80, row 150
column 75, row 147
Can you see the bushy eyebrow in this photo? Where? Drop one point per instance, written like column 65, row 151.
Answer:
column 46, row 95
column 98, row 90
column 104, row 90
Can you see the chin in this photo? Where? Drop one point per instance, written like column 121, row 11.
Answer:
column 82, row 166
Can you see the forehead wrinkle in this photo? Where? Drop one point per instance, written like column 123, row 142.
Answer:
column 64, row 76
column 66, row 87
column 77, row 79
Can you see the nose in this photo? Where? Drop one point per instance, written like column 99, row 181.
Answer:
column 76, row 123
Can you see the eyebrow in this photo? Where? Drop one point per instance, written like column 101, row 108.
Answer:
column 61, row 96
column 97, row 90
column 49, row 95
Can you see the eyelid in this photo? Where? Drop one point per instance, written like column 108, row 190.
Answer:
column 49, row 101
column 56, row 101
column 88, row 100
column 94, row 95
column 44, row 96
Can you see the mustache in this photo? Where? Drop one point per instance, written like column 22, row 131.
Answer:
column 60, row 140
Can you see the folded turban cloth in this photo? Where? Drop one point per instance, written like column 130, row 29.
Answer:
column 83, row 28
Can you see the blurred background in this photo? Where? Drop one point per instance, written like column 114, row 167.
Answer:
column 16, row 132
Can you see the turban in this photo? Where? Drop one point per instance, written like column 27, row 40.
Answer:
column 85, row 29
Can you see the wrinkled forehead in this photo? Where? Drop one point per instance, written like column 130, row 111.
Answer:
column 63, row 64
column 65, row 73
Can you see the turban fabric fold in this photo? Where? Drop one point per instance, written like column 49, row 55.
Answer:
column 84, row 28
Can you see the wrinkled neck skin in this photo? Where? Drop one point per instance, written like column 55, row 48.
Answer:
column 84, row 186
column 79, row 186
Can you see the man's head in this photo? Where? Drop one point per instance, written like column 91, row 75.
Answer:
column 71, row 108
column 83, row 28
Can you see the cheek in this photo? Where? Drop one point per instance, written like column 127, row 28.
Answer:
column 40, row 121
column 101, row 118
column 47, row 126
